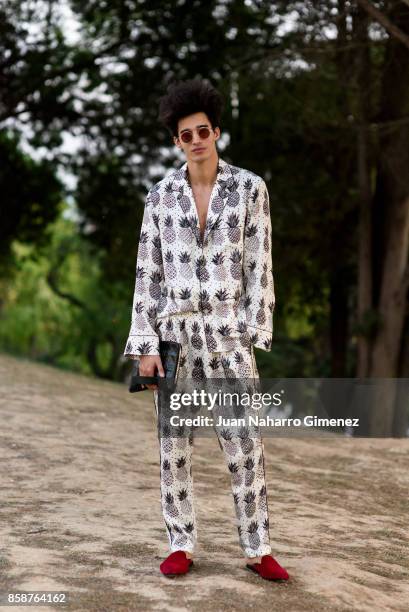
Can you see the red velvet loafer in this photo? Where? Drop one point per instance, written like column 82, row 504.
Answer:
column 269, row 569
column 176, row 564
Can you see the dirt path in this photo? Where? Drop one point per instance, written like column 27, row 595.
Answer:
column 80, row 508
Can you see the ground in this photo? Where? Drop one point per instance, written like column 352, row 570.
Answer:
column 80, row 508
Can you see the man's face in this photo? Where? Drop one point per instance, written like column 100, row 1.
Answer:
column 198, row 149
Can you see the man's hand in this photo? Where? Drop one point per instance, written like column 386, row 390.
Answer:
column 148, row 365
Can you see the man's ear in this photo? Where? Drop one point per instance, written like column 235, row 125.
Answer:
column 217, row 133
column 176, row 142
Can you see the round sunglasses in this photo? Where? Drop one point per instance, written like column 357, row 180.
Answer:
column 203, row 132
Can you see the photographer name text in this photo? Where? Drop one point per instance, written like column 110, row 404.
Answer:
column 258, row 421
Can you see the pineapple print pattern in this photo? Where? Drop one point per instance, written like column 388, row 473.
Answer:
column 243, row 453
column 225, row 274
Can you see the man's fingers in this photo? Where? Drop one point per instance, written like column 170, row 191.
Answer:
column 159, row 366
column 149, row 365
column 161, row 371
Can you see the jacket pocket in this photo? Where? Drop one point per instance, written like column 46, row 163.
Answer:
column 229, row 234
column 176, row 305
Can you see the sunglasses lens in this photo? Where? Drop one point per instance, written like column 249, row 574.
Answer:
column 204, row 133
column 186, row 136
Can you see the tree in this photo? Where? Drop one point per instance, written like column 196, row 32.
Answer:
column 31, row 194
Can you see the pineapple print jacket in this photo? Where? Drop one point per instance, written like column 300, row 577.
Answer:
column 227, row 277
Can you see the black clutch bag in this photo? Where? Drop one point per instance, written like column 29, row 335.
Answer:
column 170, row 357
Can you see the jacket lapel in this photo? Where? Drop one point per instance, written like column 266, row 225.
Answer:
column 222, row 188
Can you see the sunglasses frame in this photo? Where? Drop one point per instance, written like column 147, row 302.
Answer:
column 189, row 134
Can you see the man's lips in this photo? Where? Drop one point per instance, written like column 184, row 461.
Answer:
column 198, row 149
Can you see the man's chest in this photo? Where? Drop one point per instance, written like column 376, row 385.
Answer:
column 213, row 219
column 202, row 200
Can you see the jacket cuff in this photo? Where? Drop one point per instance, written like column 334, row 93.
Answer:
column 138, row 345
column 260, row 338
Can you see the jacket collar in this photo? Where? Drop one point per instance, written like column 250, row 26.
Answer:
column 225, row 183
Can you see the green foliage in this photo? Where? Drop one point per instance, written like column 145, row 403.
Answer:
column 294, row 100
column 30, row 197
column 57, row 308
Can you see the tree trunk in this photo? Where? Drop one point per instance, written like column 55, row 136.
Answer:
column 340, row 271
column 364, row 304
column 363, row 112
column 393, row 181
column 392, row 304
column 338, row 323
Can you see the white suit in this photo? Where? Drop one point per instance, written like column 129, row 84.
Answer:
column 216, row 298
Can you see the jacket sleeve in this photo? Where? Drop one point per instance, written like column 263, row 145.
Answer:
column 143, row 338
column 259, row 296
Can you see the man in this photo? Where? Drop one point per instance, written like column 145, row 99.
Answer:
column 204, row 278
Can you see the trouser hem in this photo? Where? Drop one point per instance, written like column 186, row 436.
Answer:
column 189, row 549
column 260, row 552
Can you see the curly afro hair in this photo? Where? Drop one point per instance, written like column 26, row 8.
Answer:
column 184, row 98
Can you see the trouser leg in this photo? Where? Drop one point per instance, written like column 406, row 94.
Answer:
column 244, row 454
column 244, row 457
column 176, row 484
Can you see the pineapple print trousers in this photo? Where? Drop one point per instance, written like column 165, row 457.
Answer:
column 243, row 455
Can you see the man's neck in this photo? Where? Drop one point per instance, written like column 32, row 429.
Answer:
column 203, row 174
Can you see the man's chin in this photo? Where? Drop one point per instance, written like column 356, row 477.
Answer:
column 200, row 157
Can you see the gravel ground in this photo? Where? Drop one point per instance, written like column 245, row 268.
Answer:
column 80, row 508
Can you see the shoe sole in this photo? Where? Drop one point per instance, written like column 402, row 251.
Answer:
column 271, row 579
